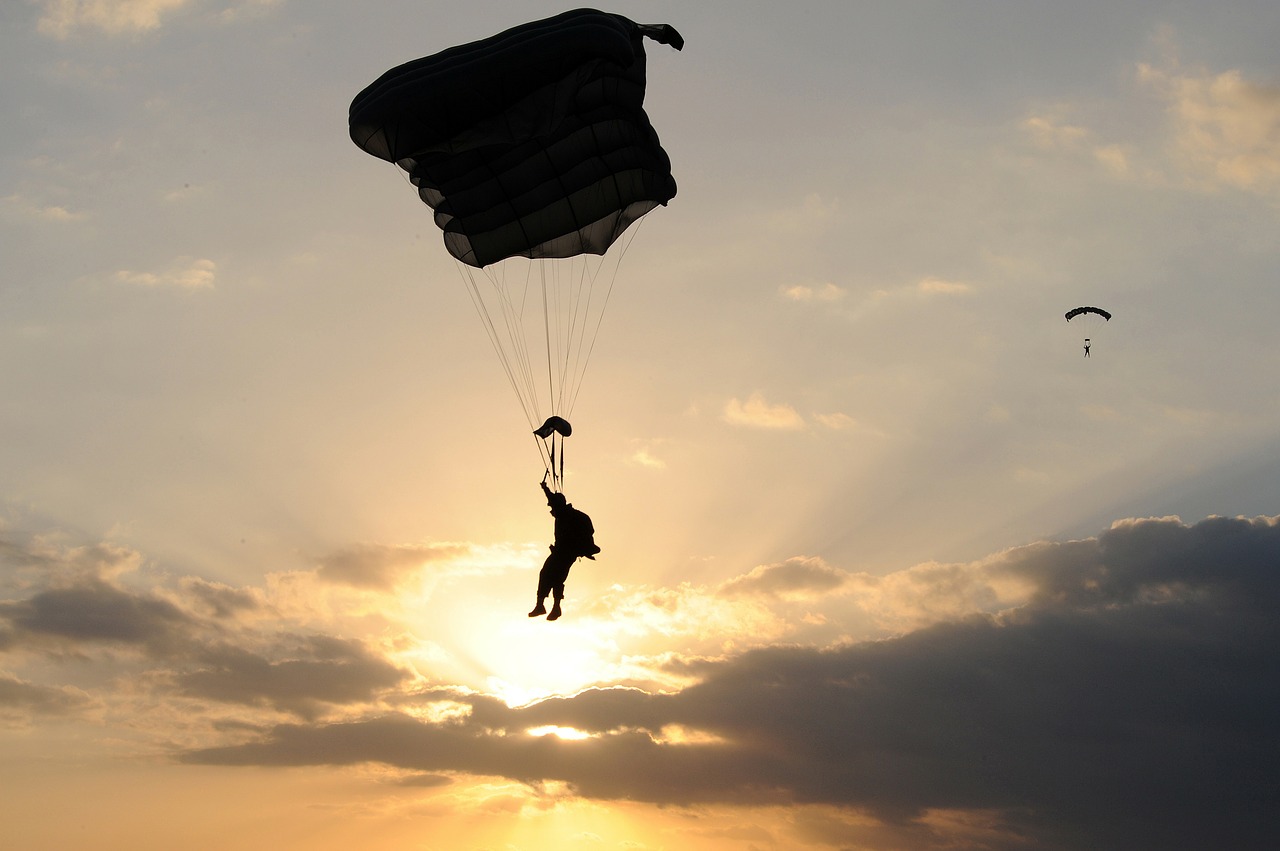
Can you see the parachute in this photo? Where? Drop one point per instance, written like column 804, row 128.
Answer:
column 1090, row 320
column 1081, row 311
column 534, row 152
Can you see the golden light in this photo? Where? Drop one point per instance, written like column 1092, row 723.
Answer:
column 466, row 625
column 566, row 733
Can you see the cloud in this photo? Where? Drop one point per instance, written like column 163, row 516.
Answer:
column 61, row 18
column 795, row 578
column 20, row 699
column 823, row 293
column 247, row 9
column 1225, row 126
column 1049, row 133
column 924, row 288
column 1127, row 702
column 70, row 598
column 644, row 457
column 29, row 209
column 190, row 636
column 1218, row 129
column 425, row 781
column 94, row 612
column 938, row 286
column 383, row 566
column 695, row 614
column 836, row 421
column 1115, row 158
column 219, row 600
column 184, row 274
column 757, row 413
column 930, row 593
column 316, row 670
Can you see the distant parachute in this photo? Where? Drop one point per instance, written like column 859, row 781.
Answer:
column 533, row 143
column 1090, row 320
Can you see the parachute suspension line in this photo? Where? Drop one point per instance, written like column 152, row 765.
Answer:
column 517, row 374
column 514, row 317
column 547, row 314
column 581, row 372
column 477, row 299
column 579, row 320
column 563, row 281
column 563, row 287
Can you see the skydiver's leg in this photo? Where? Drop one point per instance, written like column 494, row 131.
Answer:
column 547, row 578
column 557, row 588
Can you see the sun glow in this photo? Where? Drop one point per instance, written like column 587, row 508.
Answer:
column 675, row 734
column 567, row 733
column 481, row 638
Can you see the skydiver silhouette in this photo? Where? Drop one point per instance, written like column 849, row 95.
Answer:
column 574, row 538
column 1086, row 348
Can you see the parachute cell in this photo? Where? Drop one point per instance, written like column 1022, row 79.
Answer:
column 531, row 143
column 1082, row 311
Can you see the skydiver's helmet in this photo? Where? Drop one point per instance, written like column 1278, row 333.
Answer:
column 556, row 501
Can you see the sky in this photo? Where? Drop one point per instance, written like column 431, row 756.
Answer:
column 887, row 562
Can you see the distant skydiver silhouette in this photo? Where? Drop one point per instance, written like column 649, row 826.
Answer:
column 1086, row 347
column 574, row 538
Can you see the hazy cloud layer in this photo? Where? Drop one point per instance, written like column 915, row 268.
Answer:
column 300, row 677
column 96, row 612
column 758, row 413
column 796, row 577
column 63, row 18
column 199, row 639
column 1221, row 129
column 381, row 566
column 1130, row 703
column 1226, row 126
column 185, row 273
column 24, row 698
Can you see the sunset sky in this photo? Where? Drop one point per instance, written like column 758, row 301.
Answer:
column 887, row 563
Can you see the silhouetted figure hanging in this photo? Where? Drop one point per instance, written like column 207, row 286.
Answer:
column 574, row 538
column 1086, row 347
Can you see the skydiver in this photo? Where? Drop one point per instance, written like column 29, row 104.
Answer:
column 1086, row 347
column 574, row 538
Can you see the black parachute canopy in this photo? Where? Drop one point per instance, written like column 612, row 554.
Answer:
column 531, row 143
column 1074, row 312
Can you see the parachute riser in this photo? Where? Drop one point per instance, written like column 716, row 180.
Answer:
column 552, row 449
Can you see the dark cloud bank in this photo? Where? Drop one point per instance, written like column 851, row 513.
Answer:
column 1133, row 704
column 205, row 654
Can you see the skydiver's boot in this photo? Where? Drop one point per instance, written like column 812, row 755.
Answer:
column 539, row 609
column 555, row 609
